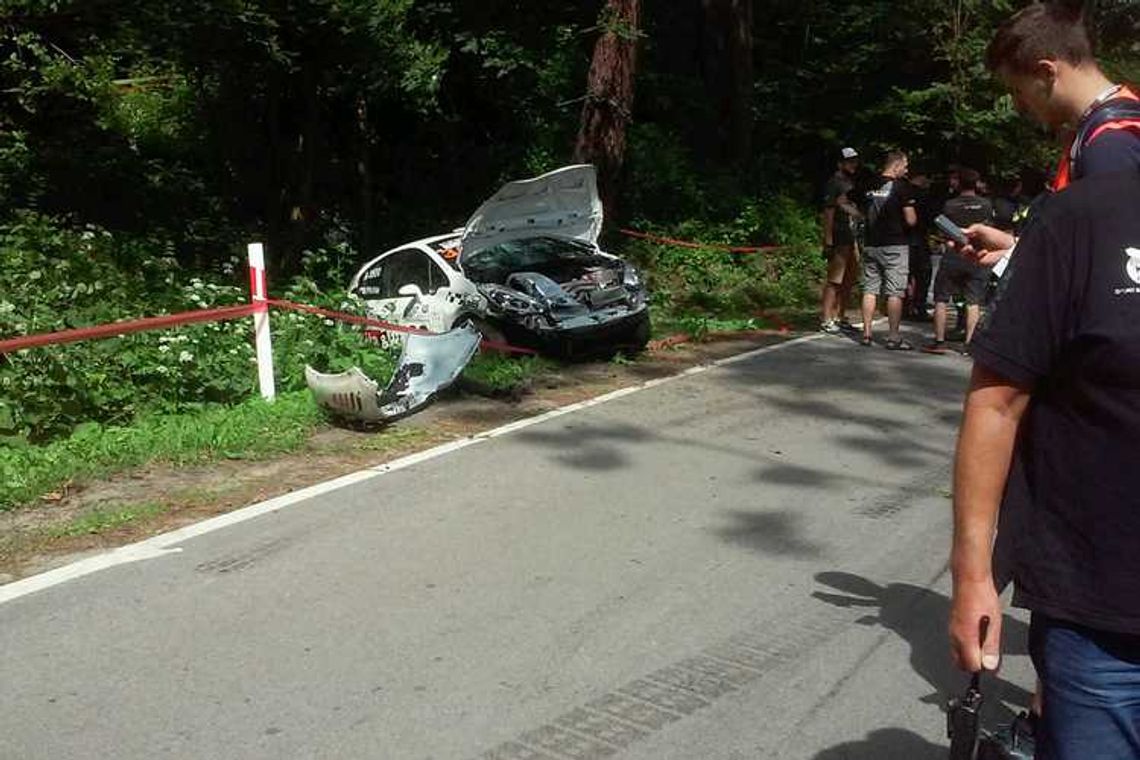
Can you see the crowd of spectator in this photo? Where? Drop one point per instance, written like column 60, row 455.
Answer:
column 878, row 230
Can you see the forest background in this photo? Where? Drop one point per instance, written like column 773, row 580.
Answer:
column 143, row 144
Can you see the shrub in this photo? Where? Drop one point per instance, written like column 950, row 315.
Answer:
column 57, row 278
column 719, row 283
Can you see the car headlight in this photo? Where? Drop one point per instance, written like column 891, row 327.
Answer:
column 512, row 301
column 632, row 278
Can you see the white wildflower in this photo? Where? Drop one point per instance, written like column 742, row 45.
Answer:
column 186, row 357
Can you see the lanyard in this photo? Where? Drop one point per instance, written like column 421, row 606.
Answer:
column 1106, row 95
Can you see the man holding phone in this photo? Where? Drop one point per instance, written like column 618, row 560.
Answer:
column 959, row 277
column 1044, row 56
column 1055, row 383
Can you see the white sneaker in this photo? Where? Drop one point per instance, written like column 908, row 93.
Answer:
column 830, row 326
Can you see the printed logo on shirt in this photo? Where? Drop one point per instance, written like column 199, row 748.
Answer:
column 1132, row 268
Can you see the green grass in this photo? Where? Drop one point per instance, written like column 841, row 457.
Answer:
column 503, row 374
column 699, row 326
column 105, row 520
column 250, row 430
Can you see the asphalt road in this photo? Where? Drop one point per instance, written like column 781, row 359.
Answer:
column 743, row 563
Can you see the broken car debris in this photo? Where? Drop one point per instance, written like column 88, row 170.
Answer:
column 428, row 364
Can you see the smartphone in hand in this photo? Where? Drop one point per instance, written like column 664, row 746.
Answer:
column 951, row 230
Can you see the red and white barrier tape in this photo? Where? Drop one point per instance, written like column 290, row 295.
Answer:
column 115, row 329
column 387, row 326
column 166, row 321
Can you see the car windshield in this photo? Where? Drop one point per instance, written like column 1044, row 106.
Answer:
column 493, row 264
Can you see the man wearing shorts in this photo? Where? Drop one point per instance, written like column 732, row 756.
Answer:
column 890, row 214
column 958, row 277
column 839, row 243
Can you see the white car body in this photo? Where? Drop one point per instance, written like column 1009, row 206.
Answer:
column 424, row 283
column 445, row 294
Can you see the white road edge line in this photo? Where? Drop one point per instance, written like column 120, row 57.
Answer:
column 165, row 544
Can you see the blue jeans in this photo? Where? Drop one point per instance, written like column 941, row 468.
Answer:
column 1091, row 691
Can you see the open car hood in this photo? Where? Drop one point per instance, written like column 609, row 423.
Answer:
column 563, row 202
column 428, row 365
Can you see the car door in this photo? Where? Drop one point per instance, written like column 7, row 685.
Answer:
column 379, row 285
column 385, row 286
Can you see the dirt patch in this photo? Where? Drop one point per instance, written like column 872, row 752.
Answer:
column 100, row 515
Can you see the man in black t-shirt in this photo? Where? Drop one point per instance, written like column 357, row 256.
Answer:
column 839, row 244
column 1050, row 433
column 890, row 213
column 920, row 264
column 1007, row 205
column 957, row 276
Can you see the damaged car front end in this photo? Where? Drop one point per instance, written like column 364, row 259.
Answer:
column 561, row 296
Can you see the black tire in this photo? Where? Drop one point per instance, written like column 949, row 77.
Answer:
column 641, row 335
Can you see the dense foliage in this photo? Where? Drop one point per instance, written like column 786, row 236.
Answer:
column 142, row 144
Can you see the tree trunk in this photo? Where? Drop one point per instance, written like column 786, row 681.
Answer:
column 727, row 66
column 364, row 176
column 304, row 160
column 609, row 98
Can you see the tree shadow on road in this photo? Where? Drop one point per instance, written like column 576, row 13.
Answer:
column 886, row 744
column 918, row 616
column 775, row 533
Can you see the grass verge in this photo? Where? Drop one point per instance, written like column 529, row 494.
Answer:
column 249, row 430
column 104, row 520
column 493, row 374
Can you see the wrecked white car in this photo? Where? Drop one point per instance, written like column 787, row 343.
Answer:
column 526, row 269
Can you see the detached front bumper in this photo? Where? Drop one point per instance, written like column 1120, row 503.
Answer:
column 429, row 364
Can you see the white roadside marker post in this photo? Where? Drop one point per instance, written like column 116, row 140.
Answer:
column 258, row 293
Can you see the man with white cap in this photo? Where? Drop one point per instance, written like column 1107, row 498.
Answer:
column 839, row 243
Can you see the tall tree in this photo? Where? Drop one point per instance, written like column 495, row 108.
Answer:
column 609, row 97
column 727, row 69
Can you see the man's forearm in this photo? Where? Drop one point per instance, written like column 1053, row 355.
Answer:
column 985, row 449
column 828, row 226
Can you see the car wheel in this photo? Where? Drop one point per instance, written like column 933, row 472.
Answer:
column 636, row 339
column 641, row 335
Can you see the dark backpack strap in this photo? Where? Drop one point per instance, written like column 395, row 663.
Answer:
column 1115, row 112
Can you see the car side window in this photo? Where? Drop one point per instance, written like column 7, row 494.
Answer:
column 402, row 268
column 407, row 267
